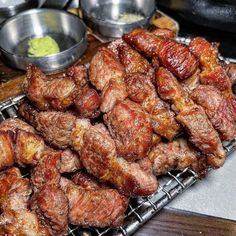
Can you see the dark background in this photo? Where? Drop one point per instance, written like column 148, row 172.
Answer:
column 226, row 39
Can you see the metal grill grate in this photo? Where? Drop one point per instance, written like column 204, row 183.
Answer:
column 140, row 210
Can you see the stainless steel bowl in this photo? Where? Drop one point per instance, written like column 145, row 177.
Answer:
column 103, row 15
column 67, row 29
column 7, row 12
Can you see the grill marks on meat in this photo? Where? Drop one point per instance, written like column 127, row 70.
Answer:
column 16, row 219
column 217, row 110
column 63, row 92
column 176, row 155
column 131, row 129
column 213, row 73
column 192, row 117
column 99, row 158
column 106, row 74
column 98, row 208
column 173, row 55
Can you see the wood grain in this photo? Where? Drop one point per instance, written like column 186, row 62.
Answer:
column 169, row 222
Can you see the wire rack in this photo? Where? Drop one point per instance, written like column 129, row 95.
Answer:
column 140, row 210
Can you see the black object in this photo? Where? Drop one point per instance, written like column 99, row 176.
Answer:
column 218, row 14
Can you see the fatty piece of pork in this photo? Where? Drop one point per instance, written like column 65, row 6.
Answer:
column 131, row 129
column 63, row 92
column 99, row 158
column 217, row 110
column 107, row 74
column 15, row 218
column 176, row 155
column 98, row 208
column 132, row 61
column 192, row 117
column 52, row 207
column 173, row 55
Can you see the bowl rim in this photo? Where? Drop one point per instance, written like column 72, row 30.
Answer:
column 12, row 7
column 117, row 23
column 83, row 38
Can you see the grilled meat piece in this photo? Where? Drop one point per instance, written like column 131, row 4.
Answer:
column 29, row 147
column 114, row 91
column 46, row 171
column 106, row 74
column 87, row 103
column 15, row 218
column 217, row 110
column 99, row 208
column 173, row 55
column 231, row 72
column 213, row 73
column 165, row 33
column 69, row 161
column 63, row 92
column 132, row 61
column 14, row 124
column 142, row 91
column 51, row 206
column 176, row 155
column 192, row 82
column 130, row 127
column 87, row 181
column 99, row 158
column 103, row 67
column 45, row 93
column 57, row 128
column 192, row 117
column 6, row 150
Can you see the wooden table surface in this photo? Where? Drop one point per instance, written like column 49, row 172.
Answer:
column 167, row 222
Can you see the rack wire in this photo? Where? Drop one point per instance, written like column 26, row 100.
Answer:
column 140, row 210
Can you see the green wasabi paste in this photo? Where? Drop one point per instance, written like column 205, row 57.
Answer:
column 42, row 46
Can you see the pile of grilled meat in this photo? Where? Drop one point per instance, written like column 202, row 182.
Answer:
column 97, row 136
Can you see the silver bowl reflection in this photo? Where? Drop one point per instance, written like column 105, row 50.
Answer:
column 67, row 29
column 103, row 15
column 7, row 12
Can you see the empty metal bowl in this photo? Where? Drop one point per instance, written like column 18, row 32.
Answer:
column 103, row 15
column 66, row 29
column 9, row 11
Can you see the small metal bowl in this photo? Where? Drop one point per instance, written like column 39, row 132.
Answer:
column 67, row 29
column 103, row 15
column 7, row 12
